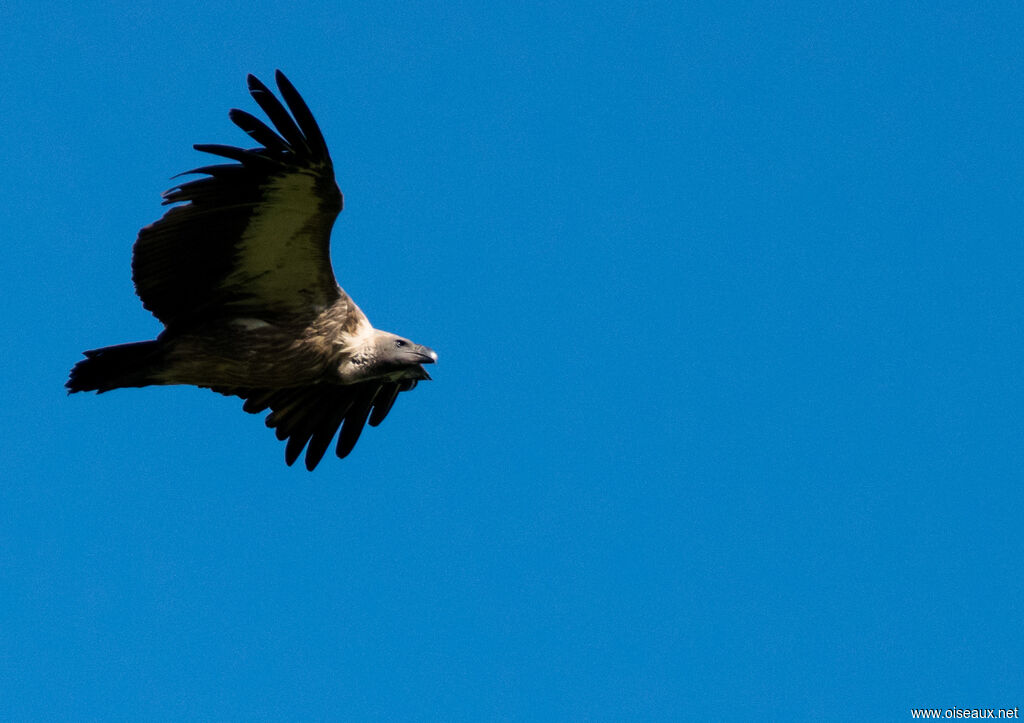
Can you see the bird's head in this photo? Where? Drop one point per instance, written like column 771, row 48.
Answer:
column 387, row 355
column 401, row 357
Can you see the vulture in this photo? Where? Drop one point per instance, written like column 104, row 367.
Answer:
column 239, row 273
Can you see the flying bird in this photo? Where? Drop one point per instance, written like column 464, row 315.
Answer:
column 238, row 271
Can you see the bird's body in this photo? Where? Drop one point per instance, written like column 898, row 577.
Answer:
column 241, row 277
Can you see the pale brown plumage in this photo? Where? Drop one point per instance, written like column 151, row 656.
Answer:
column 240, row 275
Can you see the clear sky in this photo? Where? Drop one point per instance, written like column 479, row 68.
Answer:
column 727, row 418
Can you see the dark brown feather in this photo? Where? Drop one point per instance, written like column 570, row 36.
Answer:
column 311, row 415
column 278, row 115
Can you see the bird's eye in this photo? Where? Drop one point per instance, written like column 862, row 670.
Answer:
column 399, row 343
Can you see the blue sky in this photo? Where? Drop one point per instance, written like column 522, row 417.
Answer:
column 727, row 419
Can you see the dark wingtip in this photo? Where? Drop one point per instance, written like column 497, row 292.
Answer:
column 293, row 449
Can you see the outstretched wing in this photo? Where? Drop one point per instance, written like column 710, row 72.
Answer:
column 311, row 415
column 252, row 237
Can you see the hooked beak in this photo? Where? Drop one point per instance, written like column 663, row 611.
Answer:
column 425, row 355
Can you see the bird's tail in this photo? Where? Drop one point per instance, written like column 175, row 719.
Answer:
column 124, row 365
